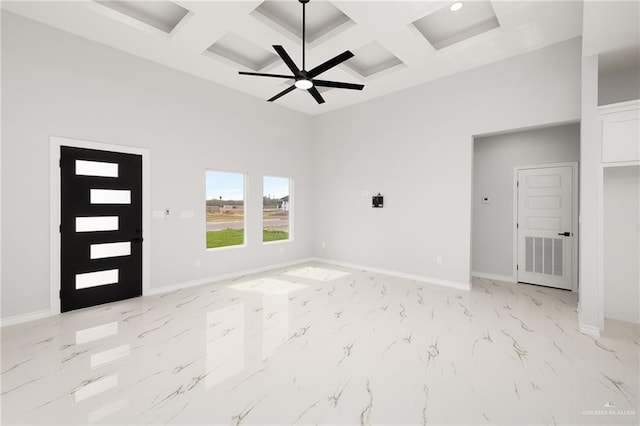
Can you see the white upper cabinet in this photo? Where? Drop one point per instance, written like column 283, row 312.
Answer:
column 620, row 124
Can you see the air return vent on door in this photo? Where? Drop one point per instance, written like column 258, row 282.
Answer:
column 544, row 255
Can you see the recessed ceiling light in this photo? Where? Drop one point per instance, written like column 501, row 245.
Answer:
column 456, row 6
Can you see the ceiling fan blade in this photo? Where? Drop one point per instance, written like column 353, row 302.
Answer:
column 338, row 84
column 316, row 95
column 260, row 74
column 330, row 64
column 287, row 59
column 281, row 94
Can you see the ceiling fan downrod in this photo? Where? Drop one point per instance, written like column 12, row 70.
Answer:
column 302, row 82
column 304, row 37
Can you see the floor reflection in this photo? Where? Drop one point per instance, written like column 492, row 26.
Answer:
column 96, row 387
column 225, row 344
column 268, row 286
column 275, row 323
column 316, row 273
column 100, row 358
column 95, row 333
column 94, row 349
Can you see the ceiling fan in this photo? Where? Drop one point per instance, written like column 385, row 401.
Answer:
column 307, row 79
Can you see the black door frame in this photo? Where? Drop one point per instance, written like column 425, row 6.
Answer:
column 54, row 210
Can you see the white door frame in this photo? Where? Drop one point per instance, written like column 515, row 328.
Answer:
column 574, row 217
column 54, row 211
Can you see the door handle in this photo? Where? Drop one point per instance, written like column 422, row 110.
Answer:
column 565, row 234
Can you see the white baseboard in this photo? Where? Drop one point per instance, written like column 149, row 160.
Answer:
column 494, row 277
column 229, row 276
column 589, row 330
column 19, row 319
column 428, row 280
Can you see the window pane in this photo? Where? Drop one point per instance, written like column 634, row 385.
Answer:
column 224, row 209
column 96, row 223
column 276, row 206
column 104, row 250
column 96, row 168
column 110, row 196
column 94, row 279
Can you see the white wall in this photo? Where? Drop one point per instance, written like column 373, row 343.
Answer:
column 416, row 148
column 56, row 84
column 622, row 85
column 494, row 160
column 622, row 243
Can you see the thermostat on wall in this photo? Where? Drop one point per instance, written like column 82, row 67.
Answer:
column 377, row 201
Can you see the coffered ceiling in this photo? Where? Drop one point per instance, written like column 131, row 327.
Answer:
column 397, row 44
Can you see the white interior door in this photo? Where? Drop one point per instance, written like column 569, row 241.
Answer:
column 545, row 226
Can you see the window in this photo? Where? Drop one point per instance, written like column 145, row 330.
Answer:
column 276, row 209
column 225, row 209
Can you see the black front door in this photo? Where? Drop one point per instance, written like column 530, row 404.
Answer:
column 101, row 227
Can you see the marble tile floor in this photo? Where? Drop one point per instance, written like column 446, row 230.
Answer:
column 323, row 344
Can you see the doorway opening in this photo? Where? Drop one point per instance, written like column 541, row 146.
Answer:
column 496, row 157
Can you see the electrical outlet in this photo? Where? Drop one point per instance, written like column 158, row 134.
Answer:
column 439, row 260
column 196, row 262
column 322, row 244
column 281, row 249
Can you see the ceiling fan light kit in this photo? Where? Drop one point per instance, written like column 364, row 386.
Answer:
column 305, row 80
column 304, row 84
